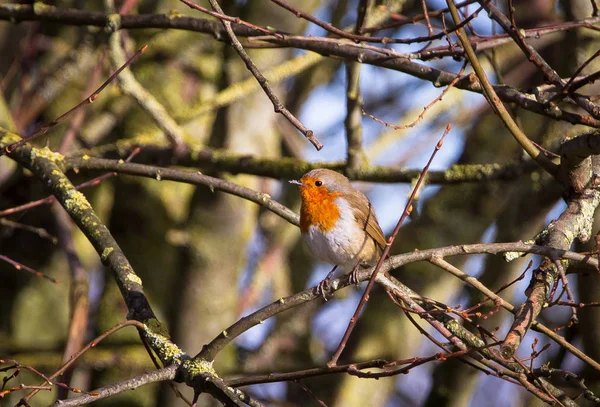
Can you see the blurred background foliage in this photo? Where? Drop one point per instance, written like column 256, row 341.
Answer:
column 207, row 258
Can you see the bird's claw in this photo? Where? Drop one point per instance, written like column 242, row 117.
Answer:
column 323, row 287
column 353, row 277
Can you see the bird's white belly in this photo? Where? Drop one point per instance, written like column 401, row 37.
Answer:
column 343, row 244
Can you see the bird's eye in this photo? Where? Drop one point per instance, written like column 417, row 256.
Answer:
column 318, row 183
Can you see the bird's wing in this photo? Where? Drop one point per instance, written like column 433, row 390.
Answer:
column 365, row 215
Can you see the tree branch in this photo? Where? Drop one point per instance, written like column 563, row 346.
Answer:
column 48, row 167
column 327, row 47
column 576, row 175
column 291, row 168
column 168, row 373
column 188, row 177
column 496, row 103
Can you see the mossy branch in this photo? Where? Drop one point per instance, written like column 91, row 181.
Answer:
column 290, row 168
column 48, row 167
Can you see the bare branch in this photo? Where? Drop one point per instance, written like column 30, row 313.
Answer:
column 264, row 84
column 168, row 373
column 331, row 48
column 496, row 103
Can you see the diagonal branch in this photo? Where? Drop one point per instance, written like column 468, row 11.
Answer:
column 264, row 84
column 189, row 177
column 532, row 55
column 168, row 373
column 130, row 86
column 48, row 167
column 496, row 103
column 575, row 222
column 210, row 351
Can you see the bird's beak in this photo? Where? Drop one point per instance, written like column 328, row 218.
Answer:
column 296, row 182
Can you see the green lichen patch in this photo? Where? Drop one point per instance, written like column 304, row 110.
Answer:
column 39, row 7
column 195, row 367
column 167, row 351
column 471, row 172
column 139, row 140
column 75, row 202
column 46, row 153
column 134, row 278
column 7, row 138
column 113, row 22
column 105, row 253
column 174, row 14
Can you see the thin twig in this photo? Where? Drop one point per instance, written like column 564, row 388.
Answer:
column 77, row 121
column 567, row 88
column 310, row 393
column 20, row 266
column 363, row 9
column 41, row 232
column 168, row 373
column 365, row 297
column 93, row 343
column 367, row 38
column 44, row 129
column 425, row 109
column 496, row 103
column 264, row 84
column 48, row 200
column 190, row 177
column 570, row 297
column 235, row 20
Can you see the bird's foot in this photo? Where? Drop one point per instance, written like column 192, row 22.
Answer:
column 325, row 284
column 353, row 276
column 323, row 287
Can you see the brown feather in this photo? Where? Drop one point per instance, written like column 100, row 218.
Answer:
column 365, row 215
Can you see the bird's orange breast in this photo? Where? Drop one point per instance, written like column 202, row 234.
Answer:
column 318, row 208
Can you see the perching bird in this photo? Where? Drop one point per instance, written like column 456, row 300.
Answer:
column 338, row 223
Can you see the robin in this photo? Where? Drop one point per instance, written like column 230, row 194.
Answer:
column 338, row 223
